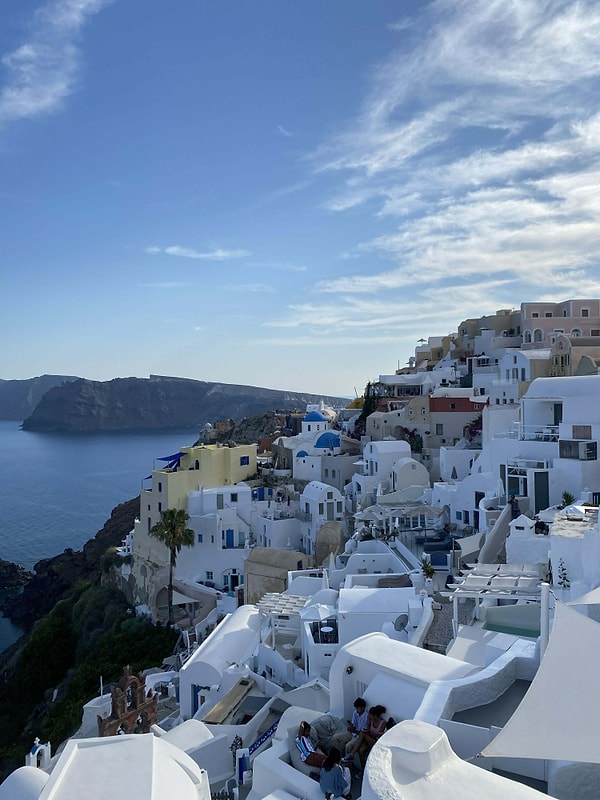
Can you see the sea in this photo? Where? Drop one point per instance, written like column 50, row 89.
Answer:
column 57, row 490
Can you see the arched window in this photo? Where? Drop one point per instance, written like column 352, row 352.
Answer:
column 575, row 332
column 538, row 335
column 527, row 337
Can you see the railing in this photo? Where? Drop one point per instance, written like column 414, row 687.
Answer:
column 530, row 433
column 303, row 516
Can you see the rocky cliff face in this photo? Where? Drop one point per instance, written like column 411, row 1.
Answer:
column 155, row 402
column 19, row 398
column 55, row 576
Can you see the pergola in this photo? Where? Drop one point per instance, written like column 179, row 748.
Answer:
column 496, row 582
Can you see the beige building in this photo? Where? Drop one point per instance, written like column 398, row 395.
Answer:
column 574, row 355
column 542, row 323
column 266, row 570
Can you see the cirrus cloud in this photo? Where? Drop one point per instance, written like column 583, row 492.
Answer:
column 44, row 70
column 217, row 254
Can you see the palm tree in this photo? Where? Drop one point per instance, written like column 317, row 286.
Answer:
column 173, row 533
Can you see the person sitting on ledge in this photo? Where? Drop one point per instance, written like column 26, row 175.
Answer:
column 335, row 780
column 304, row 743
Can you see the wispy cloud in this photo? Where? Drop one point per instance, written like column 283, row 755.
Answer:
column 44, row 69
column 165, row 285
column 276, row 265
column 477, row 151
column 207, row 255
column 284, row 131
column 249, row 287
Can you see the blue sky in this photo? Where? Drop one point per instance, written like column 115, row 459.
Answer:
column 286, row 193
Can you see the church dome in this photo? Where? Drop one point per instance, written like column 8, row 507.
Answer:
column 314, row 416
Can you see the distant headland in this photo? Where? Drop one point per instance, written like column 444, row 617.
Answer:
column 157, row 402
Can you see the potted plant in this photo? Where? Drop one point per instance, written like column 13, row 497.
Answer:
column 428, row 572
column 563, row 578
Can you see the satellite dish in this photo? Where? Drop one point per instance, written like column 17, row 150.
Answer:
column 401, row 623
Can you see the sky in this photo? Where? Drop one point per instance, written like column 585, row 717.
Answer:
column 287, row 194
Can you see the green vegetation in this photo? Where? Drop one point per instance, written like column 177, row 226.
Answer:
column 173, row 533
column 568, row 498
column 112, row 558
column 92, row 633
column 427, row 568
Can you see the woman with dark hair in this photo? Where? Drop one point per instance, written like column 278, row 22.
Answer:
column 308, row 752
column 375, row 729
column 335, row 780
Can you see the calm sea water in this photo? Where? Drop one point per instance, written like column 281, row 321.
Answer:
column 57, row 490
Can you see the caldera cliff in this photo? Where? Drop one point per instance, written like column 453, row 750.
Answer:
column 153, row 403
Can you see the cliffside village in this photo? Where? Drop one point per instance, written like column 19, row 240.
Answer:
column 435, row 552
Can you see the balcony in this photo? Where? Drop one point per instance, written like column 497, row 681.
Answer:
column 530, row 433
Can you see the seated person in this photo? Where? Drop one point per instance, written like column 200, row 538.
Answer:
column 304, row 743
column 335, row 780
column 356, row 725
column 358, row 722
column 376, row 727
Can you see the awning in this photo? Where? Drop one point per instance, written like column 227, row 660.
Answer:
column 179, row 599
column 469, row 545
column 558, row 717
column 588, row 599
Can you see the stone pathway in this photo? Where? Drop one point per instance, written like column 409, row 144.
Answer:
column 440, row 633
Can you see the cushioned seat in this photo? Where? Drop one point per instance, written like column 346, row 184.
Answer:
column 295, row 758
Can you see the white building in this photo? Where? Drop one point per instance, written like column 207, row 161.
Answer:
column 319, row 503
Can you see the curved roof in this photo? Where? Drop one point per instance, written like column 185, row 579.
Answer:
column 573, row 386
column 230, row 642
column 301, row 454
column 25, row 783
column 327, row 440
column 314, row 416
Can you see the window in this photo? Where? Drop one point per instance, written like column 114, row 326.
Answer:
column 523, row 373
column 209, row 575
column 585, row 312
column 321, row 508
column 330, row 495
column 333, row 473
column 326, row 472
column 439, row 429
column 339, row 507
column 534, row 314
column 159, row 486
column 548, row 314
column 234, row 497
column 200, row 538
column 244, row 461
column 514, row 359
column 582, row 431
column 452, row 405
column 212, row 538
column 580, row 451
column 159, row 507
column 595, row 332
column 459, row 516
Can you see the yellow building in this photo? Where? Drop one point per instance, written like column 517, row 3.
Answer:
column 203, row 465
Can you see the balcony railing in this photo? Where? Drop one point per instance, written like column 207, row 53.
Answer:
column 530, row 433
